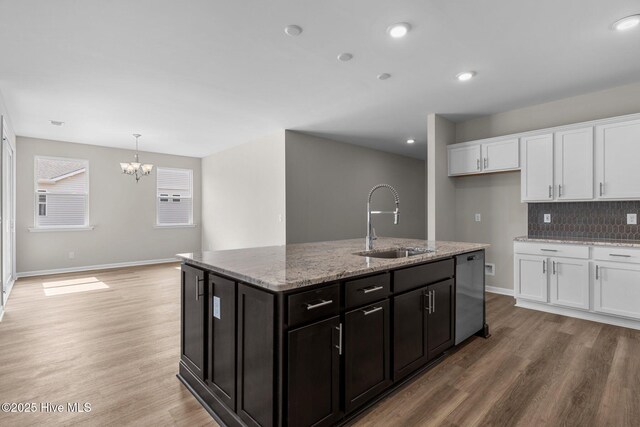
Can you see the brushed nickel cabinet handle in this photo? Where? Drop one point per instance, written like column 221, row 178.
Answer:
column 597, row 271
column 373, row 310
column 620, row 255
column 339, row 346
column 371, row 289
column 559, row 190
column 486, row 162
column 549, row 250
column 554, row 267
column 428, row 295
column 320, row 304
column 198, row 280
column 478, row 164
column 550, row 191
column 544, row 266
column 433, row 302
column 602, row 188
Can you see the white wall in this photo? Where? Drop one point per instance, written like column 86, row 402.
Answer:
column 243, row 195
column 328, row 183
column 497, row 196
column 441, row 190
column 123, row 212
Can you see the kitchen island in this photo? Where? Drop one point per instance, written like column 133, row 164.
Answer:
column 314, row 333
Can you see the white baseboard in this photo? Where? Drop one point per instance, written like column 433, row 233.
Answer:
column 580, row 314
column 95, row 267
column 1, row 313
column 497, row 290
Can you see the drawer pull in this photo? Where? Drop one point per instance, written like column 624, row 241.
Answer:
column 373, row 310
column 549, row 250
column 318, row 305
column 371, row 289
column 620, row 255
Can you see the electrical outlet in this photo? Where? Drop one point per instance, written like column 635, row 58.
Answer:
column 478, row 217
column 72, row 255
column 547, row 218
column 490, row 269
column 632, row 219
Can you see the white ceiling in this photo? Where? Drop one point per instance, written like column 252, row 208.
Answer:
column 198, row 76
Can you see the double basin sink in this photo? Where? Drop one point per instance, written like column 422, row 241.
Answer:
column 395, row 252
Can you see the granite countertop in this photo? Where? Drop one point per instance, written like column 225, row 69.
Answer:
column 581, row 241
column 282, row 268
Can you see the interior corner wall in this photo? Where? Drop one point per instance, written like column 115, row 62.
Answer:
column 243, row 195
column 497, row 196
column 122, row 211
column 328, row 183
column 441, row 191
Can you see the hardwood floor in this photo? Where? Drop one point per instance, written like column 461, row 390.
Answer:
column 118, row 349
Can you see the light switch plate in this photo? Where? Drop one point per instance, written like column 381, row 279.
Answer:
column 478, row 217
column 547, row 218
column 632, row 219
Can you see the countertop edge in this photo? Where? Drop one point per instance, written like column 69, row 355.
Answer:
column 586, row 242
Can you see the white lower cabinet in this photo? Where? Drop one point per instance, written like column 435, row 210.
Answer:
column 531, row 277
column 569, row 283
column 617, row 289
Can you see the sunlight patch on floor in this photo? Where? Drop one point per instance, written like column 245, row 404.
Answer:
column 72, row 286
column 79, row 281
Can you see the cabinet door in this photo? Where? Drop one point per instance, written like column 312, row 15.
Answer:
column 531, row 277
column 537, row 168
column 574, row 164
column 463, row 160
column 618, row 160
column 409, row 332
column 440, row 320
column 617, row 289
column 313, row 380
column 501, row 155
column 221, row 374
column 193, row 315
column 256, row 363
column 366, row 353
column 570, row 282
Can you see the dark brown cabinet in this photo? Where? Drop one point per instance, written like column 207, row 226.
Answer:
column 366, row 353
column 440, row 321
column 193, row 296
column 313, row 374
column 221, row 372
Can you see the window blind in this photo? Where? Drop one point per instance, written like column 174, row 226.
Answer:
column 174, row 196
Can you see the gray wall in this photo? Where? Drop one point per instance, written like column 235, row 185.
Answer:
column 328, row 183
column 441, row 190
column 123, row 212
column 497, row 196
column 243, row 195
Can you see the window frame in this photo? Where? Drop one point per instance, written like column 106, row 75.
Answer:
column 157, row 196
column 36, row 210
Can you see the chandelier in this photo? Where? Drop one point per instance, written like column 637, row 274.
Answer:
column 136, row 168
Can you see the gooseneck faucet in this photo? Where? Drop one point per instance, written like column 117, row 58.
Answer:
column 371, row 232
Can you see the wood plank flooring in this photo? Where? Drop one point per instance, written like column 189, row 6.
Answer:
column 118, row 349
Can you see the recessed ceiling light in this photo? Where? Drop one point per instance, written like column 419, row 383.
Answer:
column 627, row 23
column 411, row 141
column 398, row 30
column 384, row 76
column 56, row 122
column 466, row 75
column 344, row 57
column 293, row 30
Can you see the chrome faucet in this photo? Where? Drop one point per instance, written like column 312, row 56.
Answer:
column 371, row 232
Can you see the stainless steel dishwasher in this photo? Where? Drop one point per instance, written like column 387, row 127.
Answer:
column 470, row 315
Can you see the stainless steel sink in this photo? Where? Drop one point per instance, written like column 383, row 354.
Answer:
column 395, row 252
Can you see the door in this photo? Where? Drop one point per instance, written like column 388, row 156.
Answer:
column 366, row 353
column 569, row 283
column 440, row 318
column 531, row 277
column 221, row 372
column 193, row 319
column 574, row 164
column 8, row 213
column 618, row 160
column 617, row 289
column 501, row 155
column 409, row 332
column 464, row 160
column 313, row 380
column 537, row 168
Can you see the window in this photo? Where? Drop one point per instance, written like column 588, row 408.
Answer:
column 175, row 197
column 61, row 193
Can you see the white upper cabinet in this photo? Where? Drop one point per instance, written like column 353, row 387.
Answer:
column 501, row 155
column 618, row 160
column 574, row 164
column 464, row 160
column 537, row 168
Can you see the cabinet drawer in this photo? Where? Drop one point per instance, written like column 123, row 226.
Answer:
column 413, row 277
column 616, row 254
column 553, row 250
column 366, row 290
column 315, row 304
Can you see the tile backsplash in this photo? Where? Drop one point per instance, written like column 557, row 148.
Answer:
column 593, row 220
